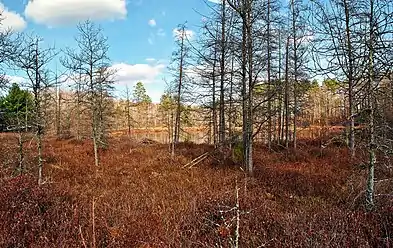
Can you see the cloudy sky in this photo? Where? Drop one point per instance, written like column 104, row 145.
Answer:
column 140, row 32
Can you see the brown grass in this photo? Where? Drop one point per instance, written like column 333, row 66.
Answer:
column 144, row 199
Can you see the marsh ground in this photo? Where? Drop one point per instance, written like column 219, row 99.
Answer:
column 140, row 197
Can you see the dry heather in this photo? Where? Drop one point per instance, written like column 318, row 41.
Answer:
column 139, row 197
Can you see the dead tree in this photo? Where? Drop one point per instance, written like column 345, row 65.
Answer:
column 336, row 41
column 223, row 53
column 91, row 62
column 244, row 9
column 34, row 61
column 377, row 18
column 178, row 66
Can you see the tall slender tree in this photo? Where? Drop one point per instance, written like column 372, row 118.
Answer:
column 91, row 62
column 180, row 62
column 34, row 60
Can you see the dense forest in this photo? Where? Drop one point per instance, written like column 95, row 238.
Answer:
column 275, row 130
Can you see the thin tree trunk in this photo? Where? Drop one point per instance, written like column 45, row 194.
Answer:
column 244, row 95
column 172, row 134
column 231, row 115
column 178, row 110
column 128, row 109
column 279, row 120
column 95, row 147
column 39, row 145
column 38, row 101
column 20, row 144
column 286, row 94
column 222, row 77
column 269, row 103
column 214, row 109
column 95, row 114
column 295, row 83
column 250, row 116
column 78, row 111
column 372, row 145
column 350, row 80
column 281, row 99
column 58, row 111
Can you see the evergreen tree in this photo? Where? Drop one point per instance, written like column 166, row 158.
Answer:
column 16, row 106
column 140, row 95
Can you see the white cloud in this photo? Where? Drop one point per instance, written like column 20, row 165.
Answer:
column 11, row 20
column 16, row 79
column 63, row 12
column 161, row 32
column 177, row 33
column 150, row 40
column 130, row 74
column 152, row 23
column 150, row 59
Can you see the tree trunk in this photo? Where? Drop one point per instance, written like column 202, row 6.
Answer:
column 286, row 94
column 350, row 80
column 20, row 147
column 128, row 109
column 58, row 111
column 179, row 91
column 244, row 95
column 38, row 121
column 372, row 160
column 249, row 146
column 222, row 77
column 214, row 109
column 78, row 111
column 39, row 146
column 95, row 144
column 232, row 108
column 269, row 103
column 372, row 143
column 295, row 83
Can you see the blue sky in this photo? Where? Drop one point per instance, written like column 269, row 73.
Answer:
column 140, row 32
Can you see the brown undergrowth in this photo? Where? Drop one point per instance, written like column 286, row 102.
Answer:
column 140, row 197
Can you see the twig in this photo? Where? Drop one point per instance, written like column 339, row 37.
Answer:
column 93, row 223
column 384, row 180
column 197, row 160
column 83, row 239
column 237, row 233
column 357, row 197
column 389, row 195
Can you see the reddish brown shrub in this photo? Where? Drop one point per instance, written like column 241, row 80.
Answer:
column 143, row 198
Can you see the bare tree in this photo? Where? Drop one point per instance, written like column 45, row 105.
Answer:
column 91, row 62
column 34, row 61
column 245, row 11
column 223, row 53
column 299, row 37
column 179, row 65
column 377, row 19
column 339, row 54
column 353, row 38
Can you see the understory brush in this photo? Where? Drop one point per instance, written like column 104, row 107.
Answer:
column 140, row 197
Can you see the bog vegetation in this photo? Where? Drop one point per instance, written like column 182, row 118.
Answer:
column 275, row 130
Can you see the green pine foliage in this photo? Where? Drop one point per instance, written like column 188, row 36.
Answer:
column 16, row 107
